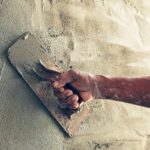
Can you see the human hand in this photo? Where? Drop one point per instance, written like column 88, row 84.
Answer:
column 82, row 82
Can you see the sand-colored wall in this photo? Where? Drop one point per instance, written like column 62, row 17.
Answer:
column 100, row 36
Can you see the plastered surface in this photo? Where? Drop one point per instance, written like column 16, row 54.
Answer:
column 100, row 36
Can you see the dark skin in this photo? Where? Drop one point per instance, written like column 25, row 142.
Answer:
column 130, row 90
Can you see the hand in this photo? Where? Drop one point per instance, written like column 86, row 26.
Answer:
column 81, row 81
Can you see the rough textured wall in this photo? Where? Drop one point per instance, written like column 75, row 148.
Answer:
column 100, row 36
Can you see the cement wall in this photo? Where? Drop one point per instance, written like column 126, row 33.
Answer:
column 100, row 36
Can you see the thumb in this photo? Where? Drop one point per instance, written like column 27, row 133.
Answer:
column 64, row 78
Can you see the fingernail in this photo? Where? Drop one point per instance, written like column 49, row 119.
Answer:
column 55, row 84
column 61, row 90
column 75, row 98
column 69, row 93
column 75, row 106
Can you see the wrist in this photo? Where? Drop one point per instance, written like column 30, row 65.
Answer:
column 101, row 84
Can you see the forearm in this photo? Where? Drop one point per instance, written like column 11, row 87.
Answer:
column 131, row 90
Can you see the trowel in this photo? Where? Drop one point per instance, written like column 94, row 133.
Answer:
column 37, row 68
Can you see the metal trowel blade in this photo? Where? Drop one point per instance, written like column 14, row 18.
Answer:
column 24, row 55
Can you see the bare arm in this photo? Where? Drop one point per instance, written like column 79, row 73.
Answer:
column 131, row 90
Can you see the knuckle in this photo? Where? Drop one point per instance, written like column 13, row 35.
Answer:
column 61, row 90
column 73, row 72
column 75, row 98
column 68, row 93
column 55, row 84
column 75, row 105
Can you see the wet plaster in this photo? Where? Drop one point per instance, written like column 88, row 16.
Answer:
column 97, row 38
column 25, row 124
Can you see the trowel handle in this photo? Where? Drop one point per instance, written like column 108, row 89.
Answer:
column 69, row 86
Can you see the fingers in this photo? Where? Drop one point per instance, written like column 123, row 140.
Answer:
column 64, row 78
column 72, row 101
column 59, row 90
column 67, row 97
column 62, row 95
